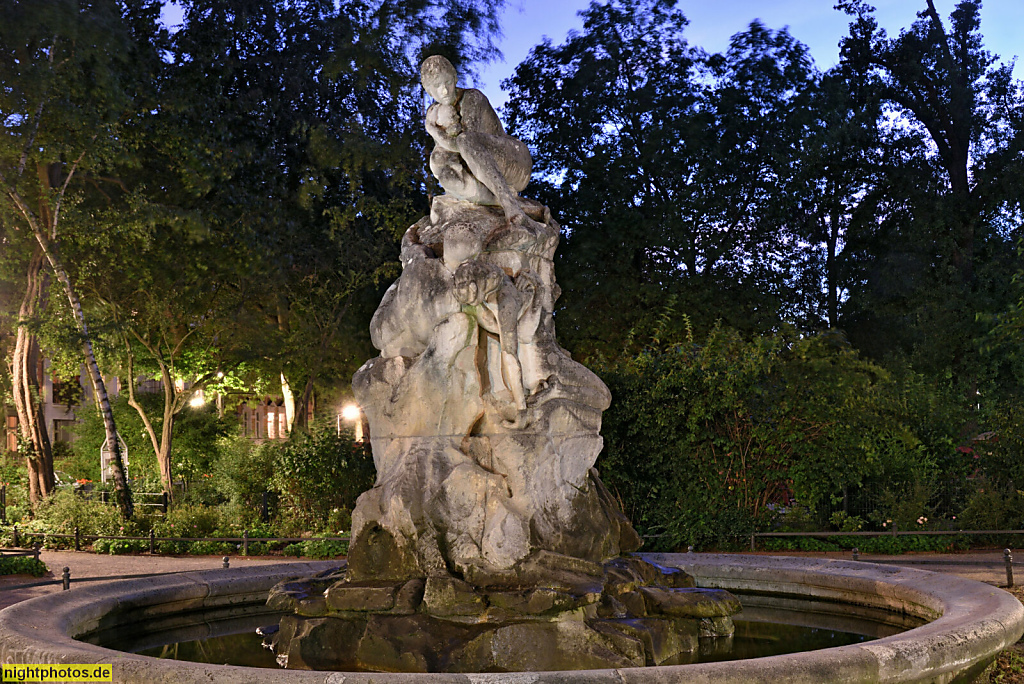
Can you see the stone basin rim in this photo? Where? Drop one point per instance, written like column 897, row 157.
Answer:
column 975, row 621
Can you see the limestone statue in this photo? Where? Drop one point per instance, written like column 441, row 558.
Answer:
column 474, row 160
column 484, row 434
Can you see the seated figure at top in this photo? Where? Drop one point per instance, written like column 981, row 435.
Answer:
column 474, row 159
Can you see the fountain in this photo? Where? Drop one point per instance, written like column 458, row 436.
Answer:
column 488, row 525
column 488, row 549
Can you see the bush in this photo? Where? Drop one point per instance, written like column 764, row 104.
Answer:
column 188, row 520
column 322, row 549
column 706, row 443
column 116, row 547
column 22, row 565
column 212, row 548
column 322, row 473
column 245, row 471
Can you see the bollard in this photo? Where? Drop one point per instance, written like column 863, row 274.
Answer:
column 856, row 553
column 15, row 542
column 245, row 542
column 689, row 549
column 226, row 563
column 1008, row 559
column 78, row 539
column 152, row 542
column 66, row 578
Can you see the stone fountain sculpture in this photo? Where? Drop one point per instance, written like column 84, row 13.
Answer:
column 488, row 541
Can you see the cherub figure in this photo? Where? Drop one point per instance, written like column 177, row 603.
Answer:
column 497, row 303
column 474, row 158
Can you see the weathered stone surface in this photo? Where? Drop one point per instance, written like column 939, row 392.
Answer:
column 484, row 430
column 690, row 603
column 717, row 627
column 488, row 542
column 362, row 596
column 318, row 643
column 565, row 645
column 446, row 596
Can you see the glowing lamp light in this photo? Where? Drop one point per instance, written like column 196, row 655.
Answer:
column 197, row 399
column 350, row 413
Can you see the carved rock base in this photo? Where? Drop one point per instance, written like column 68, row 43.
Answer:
column 553, row 613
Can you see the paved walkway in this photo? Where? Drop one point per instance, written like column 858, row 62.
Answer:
column 991, row 568
column 983, row 565
column 85, row 565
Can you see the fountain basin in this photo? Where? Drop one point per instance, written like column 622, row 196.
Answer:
column 970, row 623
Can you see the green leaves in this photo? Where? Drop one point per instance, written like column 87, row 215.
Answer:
column 731, row 431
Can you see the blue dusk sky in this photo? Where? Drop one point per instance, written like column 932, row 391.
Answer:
column 526, row 23
column 712, row 22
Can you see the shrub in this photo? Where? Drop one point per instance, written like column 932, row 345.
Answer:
column 705, row 443
column 22, row 565
column 319, row 472
column 120, row 546
column 245, row 471
column 322, row 549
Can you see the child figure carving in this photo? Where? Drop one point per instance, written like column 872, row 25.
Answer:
column 474, row 158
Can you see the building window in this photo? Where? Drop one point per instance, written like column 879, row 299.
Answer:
column 12, row 433
column 271, row 425
column 282, row 425
column 63, row 431
column 67, row 393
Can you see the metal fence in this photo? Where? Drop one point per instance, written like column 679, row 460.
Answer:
column 24, row 535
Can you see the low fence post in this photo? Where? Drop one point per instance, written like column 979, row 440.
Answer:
column 752, row 542
column 894, row 529
column 3, row 504
column 265, row 512
column 15, row 542
column 245, row 542
column 1008, row 559
column 163, row 502
column 152, row 542
column 78, row 539
column 66, row 578
column 35, row 550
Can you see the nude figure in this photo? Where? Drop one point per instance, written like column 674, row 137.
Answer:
column 474, row 159
column 493, row 298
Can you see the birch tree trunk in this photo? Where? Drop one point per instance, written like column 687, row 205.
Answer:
column 50, row 250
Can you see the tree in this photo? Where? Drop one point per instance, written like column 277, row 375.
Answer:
column 940, row 256
column 663, row 161
column 833, row 190
column 310, row 160
column 71, row 74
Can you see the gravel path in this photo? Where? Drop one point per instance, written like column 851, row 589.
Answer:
column 85, row 565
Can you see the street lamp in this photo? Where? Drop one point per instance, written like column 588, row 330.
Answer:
column 351, row 413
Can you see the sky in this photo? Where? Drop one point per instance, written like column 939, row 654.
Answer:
column 712, row 22
column 526, row 23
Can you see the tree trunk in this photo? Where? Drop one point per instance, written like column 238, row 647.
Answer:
column 28, row 401
column 44, row 228
column 289, row 402
column 123, row 494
